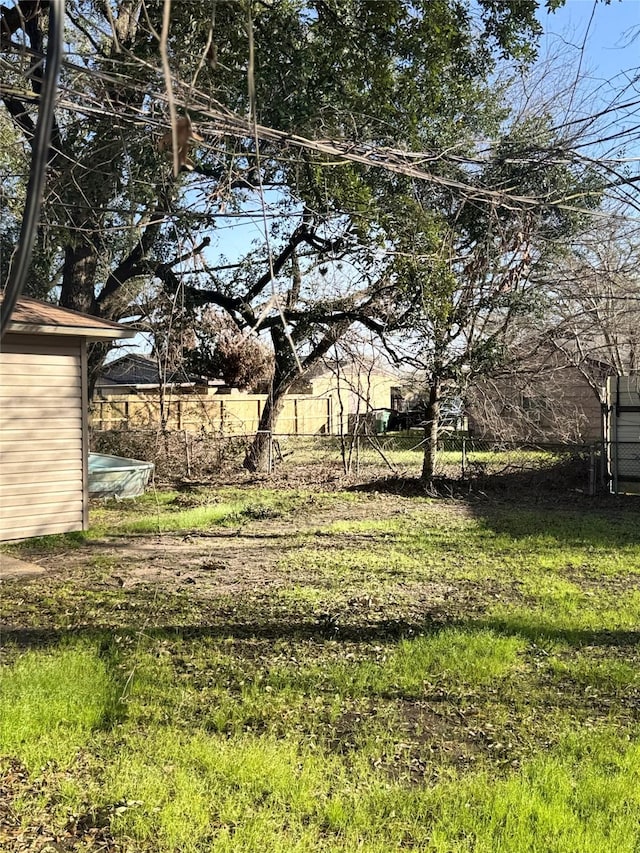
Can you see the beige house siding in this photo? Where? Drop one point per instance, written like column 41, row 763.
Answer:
column 553, row 403
column 43, row 441
column 353, row 394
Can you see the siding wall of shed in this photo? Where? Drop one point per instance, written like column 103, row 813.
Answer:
column 42, row 436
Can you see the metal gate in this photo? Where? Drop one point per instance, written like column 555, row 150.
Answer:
column 622, row 434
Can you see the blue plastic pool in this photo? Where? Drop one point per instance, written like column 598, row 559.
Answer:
column 116, row 476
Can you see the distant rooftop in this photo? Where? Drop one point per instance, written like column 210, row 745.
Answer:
column 135, row 369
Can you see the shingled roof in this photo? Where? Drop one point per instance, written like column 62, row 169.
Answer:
column 137, row 369
column 30, row 316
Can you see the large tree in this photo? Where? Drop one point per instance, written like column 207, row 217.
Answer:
column 306, row 297
column 364, row 72
column 310, row 100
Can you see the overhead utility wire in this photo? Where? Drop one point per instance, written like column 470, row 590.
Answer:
column 224, row 121
column 39, row 160
column 403, row 162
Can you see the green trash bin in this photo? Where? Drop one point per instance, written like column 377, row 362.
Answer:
column 382, row 420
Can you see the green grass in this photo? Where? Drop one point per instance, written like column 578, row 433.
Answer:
column 423, row 676
column 450, row 657
column 43, row 544
column 51, row 703
column 190, row 792
column 171, row 512
column 201, row 510
column 405, row 453
column 196, row 518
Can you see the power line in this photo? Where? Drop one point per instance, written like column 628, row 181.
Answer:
column 39, row 160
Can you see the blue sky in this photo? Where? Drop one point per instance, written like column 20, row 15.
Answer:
column 600, row 43
column 609, row 29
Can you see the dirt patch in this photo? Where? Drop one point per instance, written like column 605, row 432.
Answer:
column 234, row 581
column 236, row 558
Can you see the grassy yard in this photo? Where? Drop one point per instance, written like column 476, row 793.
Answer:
column 403, row 453
column 254, row 670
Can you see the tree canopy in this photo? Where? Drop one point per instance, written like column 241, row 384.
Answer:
column 385, row 74
column 328, row 117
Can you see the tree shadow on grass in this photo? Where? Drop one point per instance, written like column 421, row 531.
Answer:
column 575, row 637
column 577, row 522
column 277, row 630
column 508, row 506
column 568, row 476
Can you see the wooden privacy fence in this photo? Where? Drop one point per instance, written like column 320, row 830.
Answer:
column 225, row 415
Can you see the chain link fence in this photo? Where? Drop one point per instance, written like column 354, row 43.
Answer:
column 323, row 459
column 623, row 462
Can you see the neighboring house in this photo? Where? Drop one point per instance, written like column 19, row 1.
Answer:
column 43, row 418
column 135, row 373
column 356, row 391
column 325, row 401
column 552, row 402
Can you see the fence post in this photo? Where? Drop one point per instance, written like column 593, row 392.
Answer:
column 187, row 453
column 464, row 457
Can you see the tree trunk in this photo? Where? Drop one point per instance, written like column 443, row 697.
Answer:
column 431, row 434
column 258, row 455
column 287, row 369
column 96, row 354
column 78, row 278
column 78, row 294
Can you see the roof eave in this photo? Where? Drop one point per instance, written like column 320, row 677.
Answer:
column 91, row 333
